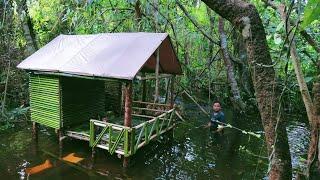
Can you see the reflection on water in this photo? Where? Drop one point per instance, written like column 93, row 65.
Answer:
column 193, row 153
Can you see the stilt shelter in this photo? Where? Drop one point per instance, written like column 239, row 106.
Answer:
column 94, row 88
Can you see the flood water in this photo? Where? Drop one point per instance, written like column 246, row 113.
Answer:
column 192, row 153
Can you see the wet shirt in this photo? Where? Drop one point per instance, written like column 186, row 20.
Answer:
column 217, row 116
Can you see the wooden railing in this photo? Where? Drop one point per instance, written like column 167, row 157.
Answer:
column 127, row 140
column 153, row 128
column 111, row 137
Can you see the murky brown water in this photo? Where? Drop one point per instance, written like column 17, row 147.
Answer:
column 193, row 153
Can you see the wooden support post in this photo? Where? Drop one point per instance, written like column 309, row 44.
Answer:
column 128, row 104
column 93, row 157
column 172, row 92
column 156, row 96
column 61, row 137
column 144, row 92
column 35, row 138
column 144, row 88
column 168, row 80
column 127, row 114
column 35, row 131
column 122, row 98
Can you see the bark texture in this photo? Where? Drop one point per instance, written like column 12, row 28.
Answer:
column 128, row 105
column 28, row 29
column 312, row 108
column 314, row 147
column 297, row 65
column 246, row 19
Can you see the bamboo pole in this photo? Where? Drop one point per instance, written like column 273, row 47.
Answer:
column 143, row 116
column 147, row 109
column 144, row 92
column 144, row 88
column 172, row 92
column 157, row 76
column 167, row 82
column 204, row 111
column 150, row 103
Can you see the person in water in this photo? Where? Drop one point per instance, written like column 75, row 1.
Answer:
column 217, row 117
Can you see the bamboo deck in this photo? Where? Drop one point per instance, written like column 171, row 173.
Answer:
column 116, row 138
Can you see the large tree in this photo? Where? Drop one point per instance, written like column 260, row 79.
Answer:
column 245, row 17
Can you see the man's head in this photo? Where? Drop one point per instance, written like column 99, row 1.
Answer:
column 216, row 106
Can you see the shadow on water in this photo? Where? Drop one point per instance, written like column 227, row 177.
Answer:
column 192, row 153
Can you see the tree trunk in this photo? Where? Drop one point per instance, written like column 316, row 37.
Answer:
column 312, row 112
column 245, row 18
column 297, row 66
column 138, row 14
column 310, row 40
column 28, row 29
column 155, row 15
column 314, row 147
column 242, row 65
column 229, row 67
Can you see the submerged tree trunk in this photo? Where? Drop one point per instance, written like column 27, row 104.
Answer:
column 229, row 67
column 246, row 19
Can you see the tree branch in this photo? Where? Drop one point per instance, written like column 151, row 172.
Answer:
column 195, row 23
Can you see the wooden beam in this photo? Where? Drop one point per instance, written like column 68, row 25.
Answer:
column 155, row 110
column 127, row 114
column 150, row 103
column 167, row 89
column 128, row 105
column 35, row 131
column 144, row 88
column 157, row 76
column 153, row 77
column 143, row 116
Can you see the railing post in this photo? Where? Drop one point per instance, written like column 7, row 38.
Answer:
column 146, row 133
column 132, row 141
column 92, row 134
column 126, row 142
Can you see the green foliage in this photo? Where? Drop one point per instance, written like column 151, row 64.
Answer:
column 18, row 113
column 311, row 13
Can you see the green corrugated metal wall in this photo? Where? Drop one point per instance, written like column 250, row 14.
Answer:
column 44, row 100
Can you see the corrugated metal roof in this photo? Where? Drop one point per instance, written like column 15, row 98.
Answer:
column 110, row 55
